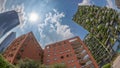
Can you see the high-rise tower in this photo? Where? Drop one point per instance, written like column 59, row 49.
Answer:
column 7, row 41
column 104, row 29
column 8, row 20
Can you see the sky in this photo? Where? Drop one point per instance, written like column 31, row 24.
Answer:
column 53, row 18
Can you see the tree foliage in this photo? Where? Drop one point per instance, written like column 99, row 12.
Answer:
column 5, row 64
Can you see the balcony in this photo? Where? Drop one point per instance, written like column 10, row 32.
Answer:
column 79, row 50
column 82, row 62
column 76, row 46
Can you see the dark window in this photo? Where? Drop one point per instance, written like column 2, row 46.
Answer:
column 18, row 57
column 11, row 55
column 62, row 57
column 67, row 55
column 22, row 49
column 64, row 42
column 39, row 54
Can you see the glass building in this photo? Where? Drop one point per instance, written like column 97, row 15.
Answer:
column 8, row 20
column 7, row 41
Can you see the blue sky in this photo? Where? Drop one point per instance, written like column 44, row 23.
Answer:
column 55, row 17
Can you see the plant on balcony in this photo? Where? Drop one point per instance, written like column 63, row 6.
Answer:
column 108, row 65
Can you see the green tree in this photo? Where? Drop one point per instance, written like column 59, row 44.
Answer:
column 5, row 64
column 59, row 66
column 28, row 63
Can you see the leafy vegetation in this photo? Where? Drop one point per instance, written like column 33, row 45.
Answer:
column 4, row 63
column 102, row 22
column 107, row 65
column 59, row 66
column 28, row 63
column 103, row 25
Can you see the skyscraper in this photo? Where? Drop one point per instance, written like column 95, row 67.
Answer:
column 8, row 20
column 71, row 52
column 25, row 46
column 7, row 41
column 104, row 28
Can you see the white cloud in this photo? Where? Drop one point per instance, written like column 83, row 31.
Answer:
column 2, row 5
column 110, row 4
column 21, row 13
column 85, row 2
column 52, row 30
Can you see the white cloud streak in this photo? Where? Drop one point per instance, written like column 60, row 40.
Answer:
column 85, row 2
column 110, row 4
column 52, row 30
column 2, row 5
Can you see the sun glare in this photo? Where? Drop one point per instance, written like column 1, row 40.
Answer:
column 33, row 17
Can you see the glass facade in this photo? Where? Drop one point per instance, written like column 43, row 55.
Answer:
column 7, row 41
column 8, row 20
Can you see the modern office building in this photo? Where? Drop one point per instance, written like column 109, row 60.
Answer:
column 7, row 41
column 117, row 3
column 71, row 52
column 25, row 46
column 103, row 26
column 8, row 20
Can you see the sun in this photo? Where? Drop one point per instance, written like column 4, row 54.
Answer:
column 33, row 17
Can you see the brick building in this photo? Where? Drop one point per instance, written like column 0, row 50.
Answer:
column 25, row 46
column 72, row 52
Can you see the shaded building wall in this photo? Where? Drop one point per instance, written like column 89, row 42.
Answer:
column 60, row 52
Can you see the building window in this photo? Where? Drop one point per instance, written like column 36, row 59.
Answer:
column 48, row 60
column 22, row 49
column 74, row 66
column 61, row 52
column 48, row 51
column 64, row 42
column 39, row 54
column 11, row 55
column 68, row 50
column 67, row 55
column 69, row 61
column 48, row 47
column 72, row 61
column 54, row 53
column 18, row 57
column 55, row 58
column 62, row 57
column 48, row 55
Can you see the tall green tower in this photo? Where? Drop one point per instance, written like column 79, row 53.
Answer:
column 103, row 26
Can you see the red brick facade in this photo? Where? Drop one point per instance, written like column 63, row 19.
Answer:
column 25, row 46
column 72, row 52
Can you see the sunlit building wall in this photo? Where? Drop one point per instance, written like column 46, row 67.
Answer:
column 71, row 52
